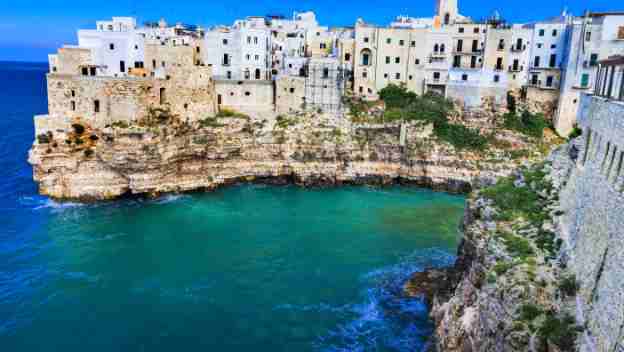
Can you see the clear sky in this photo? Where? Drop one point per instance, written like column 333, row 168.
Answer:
column 30, row 29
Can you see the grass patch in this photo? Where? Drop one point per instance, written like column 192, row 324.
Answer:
column 212, row 122
column 283, row 122
column 529, row 311
column 517, row 246
column 561, row 331
column 228, row 113
column 403, row 105
column 527, row 123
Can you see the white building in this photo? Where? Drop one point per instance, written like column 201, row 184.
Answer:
column 240, row 52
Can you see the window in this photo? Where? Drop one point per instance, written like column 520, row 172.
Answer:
column 73, row 105
column 442, row 48
column 541, row 32
column 385, row 75
column 111, row 46
column 163, row 96
column 549, row 81
column 92, row 71
column 464, row 77
column 417, row 62
column 447, row 18
column 410, row 77
column 539, row 45
column 436, row 48
column 292, row 90
column 401, row 42
column 397, row 60
column 96, row 106
column 553, row 60
column 366, row 57
column 460, row 29
column 476, row 30
column 347, row 57
column 593, row 60
column 398, row 76
column 325, row 72
column 136, row 47
column 366, row 39
column 248, row 57
column 154, row 64
column 73, row 93
column 258, row 73
column 138, row 64
column 247, row 94
column 229, row 74
column 536, row 61
column 226, row 60
column 496, row 78
column 248, row 40
column 473, row 62
column 361, row 89
column 460, row 45
column 456, row 61
column 122, row 66
column 163, row 64
column 475, row 46
column 553, row 46
column 436, row 76
column 534, row 79
column 225, row 41
column 219, row 99
column 85, row 71
column 256, row 57
column 554, row 33
column 389, row 41
column 387, row 59
column 516, row 65
column 413, row 43
column 499, row 64
column 323, row 46
column 585, row 80
column 364, row 74
column 587, row 36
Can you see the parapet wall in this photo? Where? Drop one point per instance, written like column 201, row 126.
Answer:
column 593, row 222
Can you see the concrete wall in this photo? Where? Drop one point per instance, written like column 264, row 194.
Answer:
column 289, row 94
column 250, row 97
column 594, row 217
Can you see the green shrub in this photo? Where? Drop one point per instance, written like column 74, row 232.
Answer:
column 78, row 128
column 517, row 246
column 529, row 311
column 461, row 137
column 502, row 267
column 210, row 122
column 530, row 124
column 120, row 124
column 576, row 132
column 396, row 96
column 561, row 331
column 568, row 285
column 227, row 113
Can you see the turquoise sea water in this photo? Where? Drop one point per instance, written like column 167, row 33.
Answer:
column 244, row 268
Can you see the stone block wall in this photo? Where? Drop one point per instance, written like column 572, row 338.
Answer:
column 245, row 96
column 593, row 223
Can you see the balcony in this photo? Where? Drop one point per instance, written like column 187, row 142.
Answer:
column 437, row 57
column 518, row 49
column 515, row 68
column 539, row 84
column 436, row 81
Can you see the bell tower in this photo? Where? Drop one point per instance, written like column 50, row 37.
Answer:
column 447, row 11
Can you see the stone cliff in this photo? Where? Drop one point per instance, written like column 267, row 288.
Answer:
column 533, row 270
column 164, row 154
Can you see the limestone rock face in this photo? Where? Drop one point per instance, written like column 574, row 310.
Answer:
column 118, row 160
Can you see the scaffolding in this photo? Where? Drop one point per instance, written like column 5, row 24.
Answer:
column 325, row 82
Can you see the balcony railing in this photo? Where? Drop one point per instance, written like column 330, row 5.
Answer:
column 610, row 78
column 517, row 49
column 516, row 68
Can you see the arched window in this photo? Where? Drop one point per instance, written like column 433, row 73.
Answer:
column 436, row 48
column 442, row 48
column 366, row 57
column 257, row 73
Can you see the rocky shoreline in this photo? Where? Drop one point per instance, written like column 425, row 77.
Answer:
column 90, row 164
column 509, row 289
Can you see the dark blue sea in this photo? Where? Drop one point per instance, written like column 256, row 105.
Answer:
column 243, row 268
